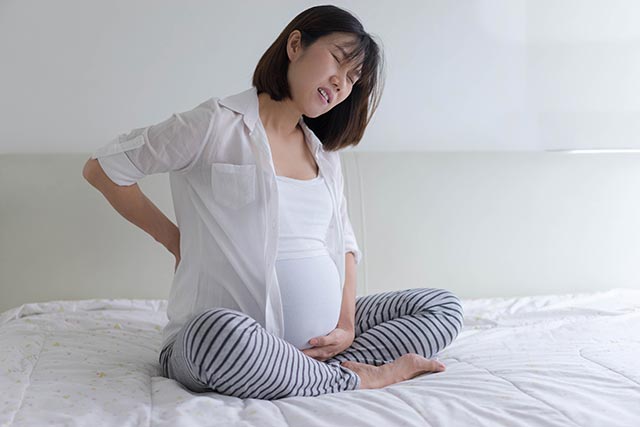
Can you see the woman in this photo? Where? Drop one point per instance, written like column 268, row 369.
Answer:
column 263, row 301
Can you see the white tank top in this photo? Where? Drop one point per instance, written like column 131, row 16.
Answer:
column 308, row 277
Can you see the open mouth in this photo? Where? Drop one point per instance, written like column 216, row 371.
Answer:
column 324, row 95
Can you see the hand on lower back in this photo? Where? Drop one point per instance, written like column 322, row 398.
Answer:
column 174, row 247
column 177, row 262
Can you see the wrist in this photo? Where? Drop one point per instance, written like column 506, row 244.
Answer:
column 347, row 326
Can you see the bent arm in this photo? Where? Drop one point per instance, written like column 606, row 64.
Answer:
column 134, row 206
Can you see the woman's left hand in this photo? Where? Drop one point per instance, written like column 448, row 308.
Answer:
column 327, row 346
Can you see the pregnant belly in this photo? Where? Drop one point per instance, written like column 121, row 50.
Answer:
column 311, row 297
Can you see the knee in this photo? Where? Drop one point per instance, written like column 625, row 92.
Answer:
column 449, row 304
column 216, row 319
column 452, row 298
column 214, row 323
column 454, row 307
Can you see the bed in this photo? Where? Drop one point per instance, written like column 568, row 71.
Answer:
column 556, row 360
column 552, row 327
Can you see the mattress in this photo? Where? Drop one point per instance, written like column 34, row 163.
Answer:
column 555, row 360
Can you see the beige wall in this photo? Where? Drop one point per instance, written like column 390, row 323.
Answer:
column 479, row 224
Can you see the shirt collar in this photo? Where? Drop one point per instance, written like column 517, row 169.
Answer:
column 246, row 103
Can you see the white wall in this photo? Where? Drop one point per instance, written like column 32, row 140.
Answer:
column 479, row 224
column 511, row 75
column 473, row 75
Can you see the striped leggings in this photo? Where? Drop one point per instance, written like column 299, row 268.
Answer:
column 228, row 352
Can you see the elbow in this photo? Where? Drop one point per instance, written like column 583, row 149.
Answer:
column 88, row 171
column 97, row 177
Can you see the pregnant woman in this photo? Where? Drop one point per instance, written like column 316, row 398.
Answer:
column 263, row 301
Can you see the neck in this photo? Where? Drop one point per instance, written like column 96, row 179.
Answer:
column 278, row 117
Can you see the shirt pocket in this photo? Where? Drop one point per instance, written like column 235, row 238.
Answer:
column 234, row 186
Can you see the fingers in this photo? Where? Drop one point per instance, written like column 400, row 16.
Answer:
column 319, row 354
column 322, row 341
column 312, row 353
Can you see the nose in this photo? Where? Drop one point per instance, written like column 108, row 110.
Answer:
column 337, row 84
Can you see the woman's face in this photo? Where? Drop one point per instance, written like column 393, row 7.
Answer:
column 321, row 65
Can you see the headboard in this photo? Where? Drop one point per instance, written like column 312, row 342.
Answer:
column 479, row 224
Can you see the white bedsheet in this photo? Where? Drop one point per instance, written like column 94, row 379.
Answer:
column 560, row 360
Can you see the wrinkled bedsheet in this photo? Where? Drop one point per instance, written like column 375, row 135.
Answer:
column 556, row 360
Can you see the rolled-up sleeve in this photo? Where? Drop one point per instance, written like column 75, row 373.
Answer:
column 350, row 243
column 174, row 144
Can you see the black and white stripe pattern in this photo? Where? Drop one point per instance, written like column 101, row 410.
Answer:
column 228, row 352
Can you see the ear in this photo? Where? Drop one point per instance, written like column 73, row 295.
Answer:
column 294, row 44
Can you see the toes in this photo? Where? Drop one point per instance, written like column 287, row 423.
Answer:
column 424, row 365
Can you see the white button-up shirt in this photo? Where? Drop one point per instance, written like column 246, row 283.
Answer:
column 225, row 196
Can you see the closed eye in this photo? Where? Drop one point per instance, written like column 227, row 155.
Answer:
column 338, row 61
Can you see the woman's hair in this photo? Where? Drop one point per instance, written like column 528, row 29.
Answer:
column 343, row 125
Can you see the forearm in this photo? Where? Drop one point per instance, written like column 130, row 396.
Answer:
column 348, row 308
column 133, row 205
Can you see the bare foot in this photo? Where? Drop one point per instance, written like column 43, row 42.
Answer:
column 403, row 368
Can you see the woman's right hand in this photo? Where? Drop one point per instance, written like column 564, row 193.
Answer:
column 177, row 262
column 174, row 247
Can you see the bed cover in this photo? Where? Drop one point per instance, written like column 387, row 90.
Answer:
column 556, row 360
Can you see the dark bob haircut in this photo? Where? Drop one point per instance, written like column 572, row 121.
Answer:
column 343, row 125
